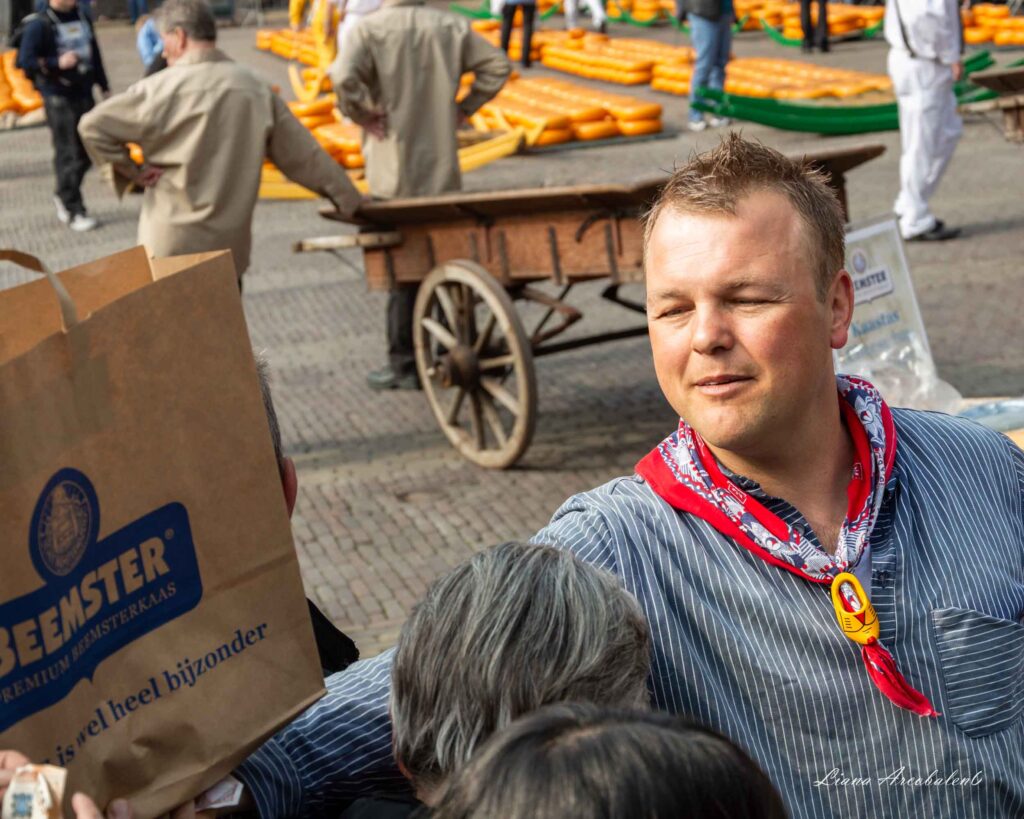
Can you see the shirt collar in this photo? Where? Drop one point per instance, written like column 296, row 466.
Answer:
column 202, row 55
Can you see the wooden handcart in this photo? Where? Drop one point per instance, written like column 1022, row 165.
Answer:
column 1009, row 84
column 474, row 256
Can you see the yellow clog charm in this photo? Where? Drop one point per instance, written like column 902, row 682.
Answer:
column 856, row 615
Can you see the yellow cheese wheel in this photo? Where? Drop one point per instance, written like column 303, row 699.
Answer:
column 637, row 110
column 595, row 130
column 315, row 108
column 639, row 127
column 977, row 34
column 553, row 136
column 352, row 160
column 317, row 121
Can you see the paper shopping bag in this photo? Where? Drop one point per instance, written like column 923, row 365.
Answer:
column 153, row 627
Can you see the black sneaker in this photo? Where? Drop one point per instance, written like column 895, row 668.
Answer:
column 939, row 233
column 387, row 379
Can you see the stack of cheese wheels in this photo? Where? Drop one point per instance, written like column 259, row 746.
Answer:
column 563, row 111
column 17, row 94
column 490, row 30
column 317, row 112
column 291, row 45
column 992, row 23
column 843, row 18
column 630, row 115
column 598, row 59
column 778, row 79
column 343, row 141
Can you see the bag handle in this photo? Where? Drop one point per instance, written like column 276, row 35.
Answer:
column 69, row 314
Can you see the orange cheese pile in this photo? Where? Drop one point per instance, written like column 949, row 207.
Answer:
column 291, row 45
column 17, row 94
column 624, row 61
column 640, row 10
column 842, row 18
column 567, row 111
column 342, row 140
column 992, row 23
column 490, row 30
column 780, row 79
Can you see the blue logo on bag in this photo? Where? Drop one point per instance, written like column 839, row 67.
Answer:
column 66, row 519
column 98, row 595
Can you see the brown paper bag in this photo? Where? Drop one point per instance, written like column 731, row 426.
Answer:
column 153, row 628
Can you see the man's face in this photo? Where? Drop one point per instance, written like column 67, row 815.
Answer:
column 63, row 6
column 741, row 342
column 175, row 42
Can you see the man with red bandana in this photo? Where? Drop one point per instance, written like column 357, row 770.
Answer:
column 836, row 586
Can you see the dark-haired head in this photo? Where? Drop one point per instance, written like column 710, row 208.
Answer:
column 578, row 761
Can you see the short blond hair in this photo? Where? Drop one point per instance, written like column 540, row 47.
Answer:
column 714, row 182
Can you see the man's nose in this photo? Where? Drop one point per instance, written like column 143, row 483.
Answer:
column 712, row 331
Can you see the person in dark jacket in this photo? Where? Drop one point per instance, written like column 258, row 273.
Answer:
column 711, row 35
column 60, row 54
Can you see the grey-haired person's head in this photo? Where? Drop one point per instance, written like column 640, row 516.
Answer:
column 193, row 17
column 514, row 628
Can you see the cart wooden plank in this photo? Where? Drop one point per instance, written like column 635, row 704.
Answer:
column 567, row 247
column 493, row 204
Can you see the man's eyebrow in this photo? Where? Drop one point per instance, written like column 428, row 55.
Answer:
column 668, row 294
column 675, row 294
column 752, row 284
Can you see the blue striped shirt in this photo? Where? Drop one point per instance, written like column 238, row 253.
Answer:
column 755, row 651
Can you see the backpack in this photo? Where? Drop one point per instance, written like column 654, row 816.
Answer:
column 19, row 34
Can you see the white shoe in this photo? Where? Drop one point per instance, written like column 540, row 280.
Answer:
column 62, row 212
column 697, row 125
column 720, row 122
column 82, row 223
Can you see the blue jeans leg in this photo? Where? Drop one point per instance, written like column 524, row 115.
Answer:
column 704, row 37
column 723, row 42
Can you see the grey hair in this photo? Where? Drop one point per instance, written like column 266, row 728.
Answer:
column 512, row 629
column 194, row 17
column 263, row 374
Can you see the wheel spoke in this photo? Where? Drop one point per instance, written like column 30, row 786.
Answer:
column 497, row 362
column 445, row 300
column 456, row 405
column 485, row 336
column 446, row 339
column 494, row 387
column 476, row 421
column 493, row 420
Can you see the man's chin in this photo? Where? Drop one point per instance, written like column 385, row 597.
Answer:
column 724, row 430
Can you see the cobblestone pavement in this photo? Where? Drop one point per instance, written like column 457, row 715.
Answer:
column 385, row 505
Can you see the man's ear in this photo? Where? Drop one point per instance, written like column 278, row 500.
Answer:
column 289, row 483
column 840, row 303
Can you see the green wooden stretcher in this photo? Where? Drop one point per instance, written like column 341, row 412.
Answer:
column 816, row 118
column 483, row 11
column 790, row 42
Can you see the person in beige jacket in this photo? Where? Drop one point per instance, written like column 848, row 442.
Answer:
column 397, row 77
column 205, row 124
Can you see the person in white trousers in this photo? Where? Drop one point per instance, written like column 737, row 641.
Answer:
column 598, row 17
column 924, row 61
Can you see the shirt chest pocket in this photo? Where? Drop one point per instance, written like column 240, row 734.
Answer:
column 982, row 659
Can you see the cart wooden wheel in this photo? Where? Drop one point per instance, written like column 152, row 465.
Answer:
column 475, row 363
